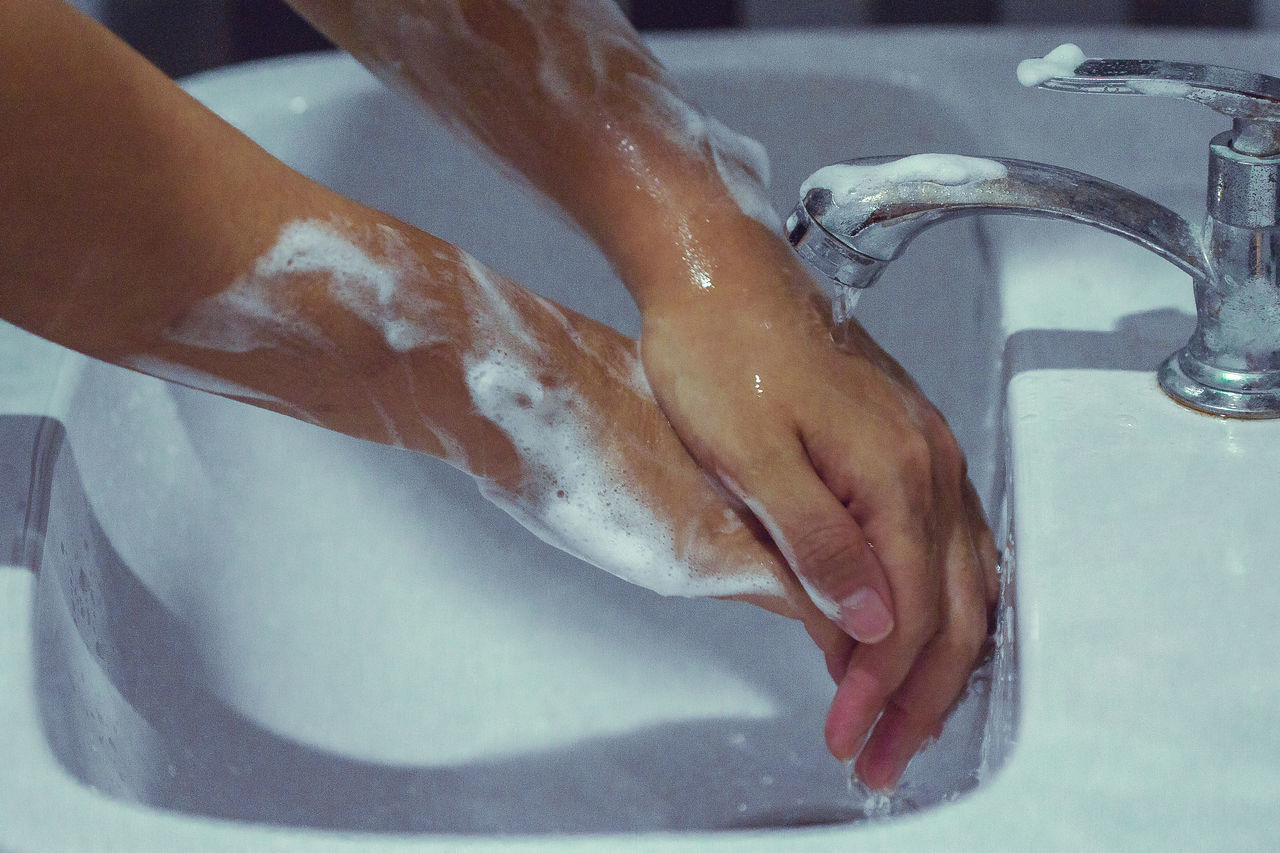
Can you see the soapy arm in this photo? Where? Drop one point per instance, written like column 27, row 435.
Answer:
column 855, row 475
column 141, row 229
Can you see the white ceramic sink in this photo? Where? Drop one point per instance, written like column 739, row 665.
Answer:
column 247, row 633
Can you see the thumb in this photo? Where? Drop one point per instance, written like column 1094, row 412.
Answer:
column 824, row 546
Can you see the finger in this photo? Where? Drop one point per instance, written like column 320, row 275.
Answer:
column 984, row 543
column 919, row 707
column 837, row 656
column 824, row 546
column 873, row 676
column 830, row 638
column 916, row 713
column 890, row 494
column 877, row 674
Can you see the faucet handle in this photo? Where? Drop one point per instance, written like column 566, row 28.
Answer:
column 1251, row 100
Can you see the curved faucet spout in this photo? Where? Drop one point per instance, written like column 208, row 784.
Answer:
column 857, row 216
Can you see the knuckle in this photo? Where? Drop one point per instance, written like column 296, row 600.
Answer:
column 916, row 630
column 963, row 641
column 916, row 468
column 914, row 451
column 824, row 551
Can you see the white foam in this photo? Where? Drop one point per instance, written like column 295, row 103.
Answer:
column 493, row 313
column 741, row 162
column 743, row 166
column 1062, row 61
column 267, row 308
column 849, row 181
column 571, row 497
column 581, row 56
column 1162, row 88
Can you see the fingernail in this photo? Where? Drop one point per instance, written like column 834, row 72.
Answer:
column 936, row 734
column 865, row 616
column 890, row 774
column 879, row 771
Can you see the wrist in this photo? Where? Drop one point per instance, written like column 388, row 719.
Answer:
column 667, row 212
column 726, row 264
column 691, row 244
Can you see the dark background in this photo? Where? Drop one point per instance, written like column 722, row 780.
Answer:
column 185, row 37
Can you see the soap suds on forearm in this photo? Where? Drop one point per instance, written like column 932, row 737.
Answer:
column 579, row 59
column 575, row 489
column 267, row 308
column 571, row 497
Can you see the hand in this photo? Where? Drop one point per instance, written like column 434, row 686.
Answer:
column 855, row 475
column 625, row 495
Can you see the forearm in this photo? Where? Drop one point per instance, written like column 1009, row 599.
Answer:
column 134, row 218
column 122, row 198
column 565, row 93
column 143, row 230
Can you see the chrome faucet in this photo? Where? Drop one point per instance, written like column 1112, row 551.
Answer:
column 857, row 216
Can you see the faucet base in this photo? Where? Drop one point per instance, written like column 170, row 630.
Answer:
column 1219, row 392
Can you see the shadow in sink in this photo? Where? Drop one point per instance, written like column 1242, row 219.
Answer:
column 1138, row 343
column 23, row 441
column 130, row 704
column 126, row 708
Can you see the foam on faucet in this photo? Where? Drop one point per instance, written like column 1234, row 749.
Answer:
column 1062, row 61
column 847, row 181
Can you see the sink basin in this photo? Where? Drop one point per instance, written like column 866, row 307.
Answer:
column 225, row 629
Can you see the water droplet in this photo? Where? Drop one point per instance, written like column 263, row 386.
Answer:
column 877, row 805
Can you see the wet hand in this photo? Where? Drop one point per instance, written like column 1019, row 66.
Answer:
column 856, row 477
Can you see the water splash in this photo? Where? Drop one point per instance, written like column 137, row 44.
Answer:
column 843, row 304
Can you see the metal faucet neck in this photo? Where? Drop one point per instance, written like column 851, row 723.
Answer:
column 857, row 216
